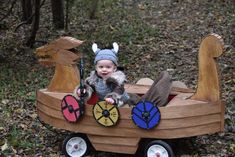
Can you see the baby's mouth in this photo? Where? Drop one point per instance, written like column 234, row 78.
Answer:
column 104, row 74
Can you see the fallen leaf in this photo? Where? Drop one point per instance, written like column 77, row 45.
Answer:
column 5, row 146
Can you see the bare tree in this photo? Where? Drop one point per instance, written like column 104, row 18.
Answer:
column 30, row 18
column 27, row 10
column 58, row 13
column 67, row 14
column 35, row 25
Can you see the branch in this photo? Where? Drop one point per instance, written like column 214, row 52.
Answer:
column 29, row 19
column 9, row 11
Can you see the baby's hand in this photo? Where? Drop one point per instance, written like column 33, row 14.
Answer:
column 109, row 100
column 79, row 92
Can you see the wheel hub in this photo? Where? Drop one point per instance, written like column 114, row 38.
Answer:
column 158, row 155
column 157, row 151
column 76, row 146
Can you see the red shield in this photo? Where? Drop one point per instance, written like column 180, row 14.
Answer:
column 70, row 108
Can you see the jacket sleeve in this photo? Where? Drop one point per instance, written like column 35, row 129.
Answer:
column 89, row 91
column 89, row 81
column 117, row 91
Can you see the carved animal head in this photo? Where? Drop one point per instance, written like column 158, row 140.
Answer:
column 58, row 51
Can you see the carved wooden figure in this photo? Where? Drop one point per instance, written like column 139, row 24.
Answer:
column 208, row 80
column 58, row 53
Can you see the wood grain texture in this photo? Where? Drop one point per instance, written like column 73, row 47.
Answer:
column 167, row 123
column 131, row 132
column 184, row 114
column 208, row 88
column 142, row 89
column 65, row 78
column 114, row 144
column 58, row 53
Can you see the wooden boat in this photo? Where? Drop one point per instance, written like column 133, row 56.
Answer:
column 187, row 113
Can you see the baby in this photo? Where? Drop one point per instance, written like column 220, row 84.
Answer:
column 106, row 81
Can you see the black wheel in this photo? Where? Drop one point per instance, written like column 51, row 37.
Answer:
column 158, row 148
column 75, row 145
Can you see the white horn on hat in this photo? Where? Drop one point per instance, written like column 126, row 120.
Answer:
column 95, row 48
column 115, row 47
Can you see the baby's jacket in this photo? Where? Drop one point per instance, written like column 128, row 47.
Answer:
column 112, row 87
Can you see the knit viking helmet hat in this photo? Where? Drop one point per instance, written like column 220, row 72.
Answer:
column 106, row 54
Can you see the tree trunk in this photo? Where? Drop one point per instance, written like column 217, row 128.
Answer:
column 27, row 11
column 58, row 13
column 35, row 25
column 67, row 14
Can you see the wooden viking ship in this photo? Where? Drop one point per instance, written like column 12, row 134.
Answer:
column 187, row 113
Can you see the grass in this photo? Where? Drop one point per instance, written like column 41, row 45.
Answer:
column 20, row 83
column 18, row 139
column 20, row 78
column 18, row 87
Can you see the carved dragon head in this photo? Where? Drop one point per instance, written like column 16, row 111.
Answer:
column 58, row 51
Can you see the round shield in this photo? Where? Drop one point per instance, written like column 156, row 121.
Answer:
column 105, row 114
column 145, row 115
column 71, row 109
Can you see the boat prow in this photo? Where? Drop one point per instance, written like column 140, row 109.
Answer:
column 187, row 113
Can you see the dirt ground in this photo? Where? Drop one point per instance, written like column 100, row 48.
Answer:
column 154, row 35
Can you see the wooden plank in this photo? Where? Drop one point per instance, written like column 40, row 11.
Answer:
column 170, row 112
column 182, row 118
column 181, row 108
column 128, row 123
column 56, row 94
column 55, row 114
column 184, row 99
column 138, row 89
column 115, row 148
column 186, row 132
column 142, row 89
column 49, row 111
column 48, row 100
column 222, row 115
column 136, row 132
column 186, row 122
column 125, row 141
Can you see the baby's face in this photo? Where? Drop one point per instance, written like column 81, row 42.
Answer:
column 105, row 68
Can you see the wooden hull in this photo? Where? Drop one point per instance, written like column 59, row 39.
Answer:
column 182, row 117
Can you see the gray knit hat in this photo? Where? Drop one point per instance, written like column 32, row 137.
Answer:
column 106, row 54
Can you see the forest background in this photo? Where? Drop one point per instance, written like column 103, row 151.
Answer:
column 154, row 35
